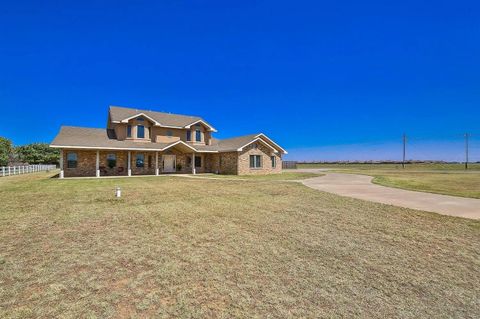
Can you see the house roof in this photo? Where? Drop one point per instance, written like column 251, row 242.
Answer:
column 94, row 138
column 120, row 114
column 238, row 143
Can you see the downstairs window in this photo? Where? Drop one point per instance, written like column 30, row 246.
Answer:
column 255, row 161
column 140, row 160
column 111, row 160
column 72, row 160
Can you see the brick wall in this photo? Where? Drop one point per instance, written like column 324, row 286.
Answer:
column 265, row 153
column 222, row 163
column 85, row 163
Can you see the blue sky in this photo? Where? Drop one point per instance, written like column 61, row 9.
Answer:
column 320, row 77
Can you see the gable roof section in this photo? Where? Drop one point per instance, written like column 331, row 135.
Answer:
column 238, row 143
column 123, row 114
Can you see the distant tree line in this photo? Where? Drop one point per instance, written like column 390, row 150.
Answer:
column 35, row 153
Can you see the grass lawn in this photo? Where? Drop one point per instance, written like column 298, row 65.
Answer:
column 197, row 248
column 414, row 166
column 465, row 185
column 284, row 176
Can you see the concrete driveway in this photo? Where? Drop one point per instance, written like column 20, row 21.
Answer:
column 361, row 187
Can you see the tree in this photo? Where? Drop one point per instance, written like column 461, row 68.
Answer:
column 5, row 150
column 38, row 153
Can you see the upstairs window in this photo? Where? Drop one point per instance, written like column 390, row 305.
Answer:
column 274, row 161
column 255, row 161
column 140, row 131
column 71, row 160
column 189, row 136
column 140, row 119
column 129, row 131
column 169, row 133
column 140, row 160
column 111, row 160
column 198, row 135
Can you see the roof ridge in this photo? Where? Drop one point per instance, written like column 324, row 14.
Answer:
column 166, row 113
column 85, row 127
column 242, row 136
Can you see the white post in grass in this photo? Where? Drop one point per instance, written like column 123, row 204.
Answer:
column 194, row 170
column 129, row 163
column 3, row 171
column 156, row 163
column 61, row 164
column 97, row 165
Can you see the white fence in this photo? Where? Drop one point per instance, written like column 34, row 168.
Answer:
column 24, row 169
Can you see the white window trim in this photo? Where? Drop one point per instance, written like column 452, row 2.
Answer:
column 270, row 140
column 138, row 115
column 210, row 128
column 258, row 140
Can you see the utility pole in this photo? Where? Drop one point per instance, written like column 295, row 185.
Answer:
column 404, row 147
column 466, row 150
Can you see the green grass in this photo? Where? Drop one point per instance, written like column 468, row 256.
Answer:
column 197, row 248
column 284, row 176
column 439, row 182
column 447, row 179
column 415, row 166
column 465, row 185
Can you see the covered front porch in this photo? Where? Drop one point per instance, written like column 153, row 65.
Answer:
column 177, row 159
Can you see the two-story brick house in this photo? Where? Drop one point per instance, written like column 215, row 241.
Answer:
column 138, row 142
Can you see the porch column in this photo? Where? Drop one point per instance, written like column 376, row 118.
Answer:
column 194, row 170
column 61, row 164
column 129, row 165
column 156, row 163
column 97, row 165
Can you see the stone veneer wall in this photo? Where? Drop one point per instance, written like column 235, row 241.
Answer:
column 266, row 153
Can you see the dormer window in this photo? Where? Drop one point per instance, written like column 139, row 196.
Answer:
column 140, row 119
column 140, row 131
column 129, row 131
column 198, row 135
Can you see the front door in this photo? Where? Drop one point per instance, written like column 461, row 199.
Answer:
column 169, row 163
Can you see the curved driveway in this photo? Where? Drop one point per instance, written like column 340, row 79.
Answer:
column 361, row 187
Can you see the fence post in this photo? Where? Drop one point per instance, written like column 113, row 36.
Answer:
column 3, row 171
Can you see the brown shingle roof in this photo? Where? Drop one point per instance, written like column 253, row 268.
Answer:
column 232, row 144
column 98, row 138
column 79, row 137
column 118, row 114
